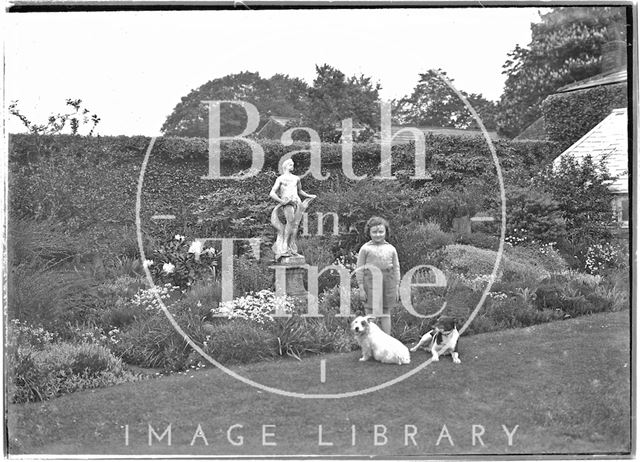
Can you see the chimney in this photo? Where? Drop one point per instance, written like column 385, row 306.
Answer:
column 614, row 56
column 614, row 52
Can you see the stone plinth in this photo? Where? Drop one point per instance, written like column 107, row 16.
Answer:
column 295, row 273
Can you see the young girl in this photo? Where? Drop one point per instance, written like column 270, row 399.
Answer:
column 379, row 253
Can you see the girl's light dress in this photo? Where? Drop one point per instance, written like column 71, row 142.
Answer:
column 385, row 257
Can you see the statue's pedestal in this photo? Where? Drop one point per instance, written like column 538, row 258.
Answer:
column 295, row 273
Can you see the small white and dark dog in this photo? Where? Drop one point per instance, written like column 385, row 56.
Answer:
column 442, row 339
column 375, row 343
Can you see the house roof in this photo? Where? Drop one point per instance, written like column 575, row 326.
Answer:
column 282, row 120
column 535, row 131
column 407, row 137
column 609, row 78
column 607, row 140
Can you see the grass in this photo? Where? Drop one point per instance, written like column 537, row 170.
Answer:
column 565, row 384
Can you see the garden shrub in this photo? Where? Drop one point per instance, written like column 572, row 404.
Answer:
column 517, row 269
column 153, row 342
column 261, row 335
column 38, row 338
column 48, row 241
column 618, row 299
column 601, row 258
column 234, row 212
column 581, row 190
column 513, row 313
column 461, row 301
column 59, row 368
column 533, row 216
column 319, row 251
column 239, row 341
column 257, row 307
column 50, row 298
column 620, row 280
column 118, row 317
column 245, row 341
column 45, row 192
column 251, row 275
column 298, row 336
column 471, row 261
column 126, row 300
column 442, row 205
column 329, row 302
column 576, row 294
column 481, row 324
column 206, row 294
column 361, row 200
column 545, row 257
column 417, row 244
column 181, row 262
column 121, row 287
column 113, row 267
column 479, row 239
column 116, row 309
column 124, row 242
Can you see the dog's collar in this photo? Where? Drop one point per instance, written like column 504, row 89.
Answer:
column 445, row 332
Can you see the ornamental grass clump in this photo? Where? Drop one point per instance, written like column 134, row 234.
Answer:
column 37, row 374
column 240, row 341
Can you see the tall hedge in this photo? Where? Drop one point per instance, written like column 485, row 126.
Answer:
column 569, row 116
column 93, row 180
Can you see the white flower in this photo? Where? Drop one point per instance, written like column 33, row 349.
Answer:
column 195, row 247
column 168, row 268
column 147, row 263
column 178, row 237
column 210, row 251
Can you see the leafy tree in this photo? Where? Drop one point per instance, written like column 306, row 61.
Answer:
column 533, row 216
column 434, row 104
column 335, row 97
column 566, row 46
column 279, row 95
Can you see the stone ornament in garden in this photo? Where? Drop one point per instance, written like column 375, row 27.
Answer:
column 287, row 191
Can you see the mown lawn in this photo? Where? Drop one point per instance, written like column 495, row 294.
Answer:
column 566, row 385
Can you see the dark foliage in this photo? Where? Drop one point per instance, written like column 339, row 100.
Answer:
column 566, row 46
column 593, row 105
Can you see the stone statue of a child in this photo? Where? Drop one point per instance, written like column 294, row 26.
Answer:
column 287, row 191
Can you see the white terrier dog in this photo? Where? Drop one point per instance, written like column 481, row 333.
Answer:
column 374, row 342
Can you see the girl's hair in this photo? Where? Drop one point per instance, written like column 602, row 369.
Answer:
column 376, row 221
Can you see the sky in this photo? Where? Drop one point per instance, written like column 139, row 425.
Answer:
column 132, row 68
